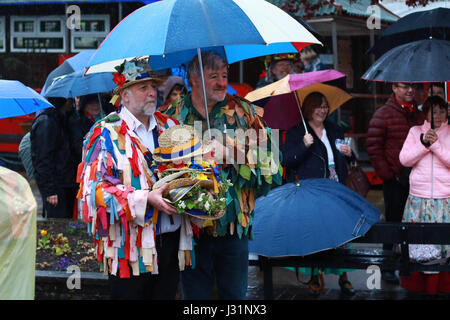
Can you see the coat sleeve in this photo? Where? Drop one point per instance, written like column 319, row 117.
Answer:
column 441, row 150
column 294, row 150
column 375, row 146
column 111, row 178
column 44, row 146
column 413, row 150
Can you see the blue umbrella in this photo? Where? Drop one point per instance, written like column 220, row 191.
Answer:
column 171, row 31
column 78, row 84
column 319, row 214
column 75, row 63
column 16, row 99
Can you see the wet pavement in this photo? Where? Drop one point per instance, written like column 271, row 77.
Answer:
column 287, row 287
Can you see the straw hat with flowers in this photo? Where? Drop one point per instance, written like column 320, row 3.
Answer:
column 194, row 187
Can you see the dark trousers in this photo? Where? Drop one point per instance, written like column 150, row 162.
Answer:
column 395, row 195
column 161, row 286
column 218, row 260
column 66, row 202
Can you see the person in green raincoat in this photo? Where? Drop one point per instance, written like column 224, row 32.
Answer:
column 220, row 252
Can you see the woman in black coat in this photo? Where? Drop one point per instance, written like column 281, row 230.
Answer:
column 314, row 154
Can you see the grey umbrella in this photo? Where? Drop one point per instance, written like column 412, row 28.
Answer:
column 419, row 61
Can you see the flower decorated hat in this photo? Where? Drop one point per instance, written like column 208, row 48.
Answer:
column 132, row 72
column 179, row 143
column 194, row 187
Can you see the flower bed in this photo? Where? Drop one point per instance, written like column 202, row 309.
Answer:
column 64, row 242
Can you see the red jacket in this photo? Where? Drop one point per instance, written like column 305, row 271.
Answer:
column 387, row 132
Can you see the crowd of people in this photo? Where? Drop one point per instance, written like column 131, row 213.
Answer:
column 407, row 152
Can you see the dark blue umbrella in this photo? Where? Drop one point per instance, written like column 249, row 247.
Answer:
column 317, row 215
column 419, row 61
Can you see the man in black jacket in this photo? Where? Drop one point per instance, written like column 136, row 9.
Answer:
column 53, row 160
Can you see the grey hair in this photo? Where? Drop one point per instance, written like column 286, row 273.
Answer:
column 210, row 59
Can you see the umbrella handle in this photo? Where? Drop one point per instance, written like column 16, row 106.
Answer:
column 99, row 100
column 300, row 110
column 199, row 54
column 432, row 117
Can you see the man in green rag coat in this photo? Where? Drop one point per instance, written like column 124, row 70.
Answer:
column 251, row 163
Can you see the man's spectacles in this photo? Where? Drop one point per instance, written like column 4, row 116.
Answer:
column 408, row 86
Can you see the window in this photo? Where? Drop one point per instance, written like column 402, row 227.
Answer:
column 93, row 29
column 2, row 34
column 38, row 34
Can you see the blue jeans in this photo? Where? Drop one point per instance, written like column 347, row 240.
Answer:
column 221, row 259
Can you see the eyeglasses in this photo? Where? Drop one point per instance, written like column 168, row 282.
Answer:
column 408, row 86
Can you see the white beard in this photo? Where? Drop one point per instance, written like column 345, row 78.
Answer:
column 147, row 108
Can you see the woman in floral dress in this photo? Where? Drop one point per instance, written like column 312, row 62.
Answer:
column 427, row 151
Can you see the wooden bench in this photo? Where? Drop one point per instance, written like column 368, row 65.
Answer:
column 381, row 233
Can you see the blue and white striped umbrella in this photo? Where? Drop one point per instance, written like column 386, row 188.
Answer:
column 171, row 31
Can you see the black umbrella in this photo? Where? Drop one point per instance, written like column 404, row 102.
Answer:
column 415, row 26
column 418, row 61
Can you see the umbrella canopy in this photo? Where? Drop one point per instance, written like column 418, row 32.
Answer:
column 336, row 97
column 75, row 63
column 16, row 99
column 419, row 61
column 75, row 84
column 281, row 100
column 293, row 82
column 319, row 214
column 413, row 27
column 170, row 32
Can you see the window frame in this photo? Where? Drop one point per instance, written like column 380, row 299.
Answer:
column 96, row 34
column 38, row 34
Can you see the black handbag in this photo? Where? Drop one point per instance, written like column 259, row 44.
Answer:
column 357, row 179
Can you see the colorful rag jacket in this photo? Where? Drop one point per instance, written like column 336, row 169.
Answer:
column 115, row 180
column 255, row 176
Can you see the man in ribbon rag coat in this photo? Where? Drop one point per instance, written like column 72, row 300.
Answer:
column 136, row 233
column 221, row 247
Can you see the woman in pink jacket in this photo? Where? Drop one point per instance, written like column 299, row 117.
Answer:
column 427, row 151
